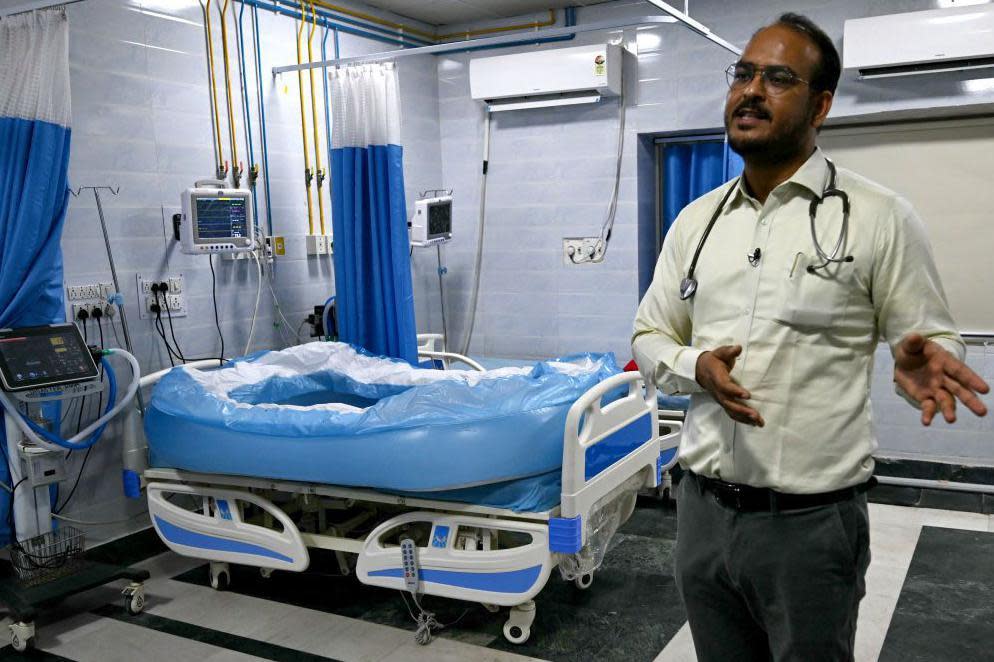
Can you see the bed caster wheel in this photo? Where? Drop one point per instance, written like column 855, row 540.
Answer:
column 516, row 634
column 220, row 576
column 583, row 582
column 22, row 636
column 265, row 573
column 134, row 598
column 518, row 627
column 493, row 609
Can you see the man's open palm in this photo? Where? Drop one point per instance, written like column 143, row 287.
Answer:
column 936, row 379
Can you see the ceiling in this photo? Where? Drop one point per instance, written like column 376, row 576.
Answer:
column 450, row 12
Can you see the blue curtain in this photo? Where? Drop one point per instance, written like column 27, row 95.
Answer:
column 690, row 170
column 34, row 165
column 375, row 295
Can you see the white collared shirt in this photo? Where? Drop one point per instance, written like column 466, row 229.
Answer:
column 807, row 339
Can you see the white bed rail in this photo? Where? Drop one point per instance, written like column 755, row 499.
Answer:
column 219, row 533
column 432, row 346
column 590, row 423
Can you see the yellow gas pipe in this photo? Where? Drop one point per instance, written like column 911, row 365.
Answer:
column 221, row 172
column 318, row 171
column 236, row 171
column 303, row 129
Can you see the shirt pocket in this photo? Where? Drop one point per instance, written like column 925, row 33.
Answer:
column 815, row 300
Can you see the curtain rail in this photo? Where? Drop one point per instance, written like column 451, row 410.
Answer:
column 33, row 6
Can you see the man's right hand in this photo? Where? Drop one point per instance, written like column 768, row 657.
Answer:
column 714, row 375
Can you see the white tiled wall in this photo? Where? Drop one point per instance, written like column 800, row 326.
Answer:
column 550, row 177
column 141, row 123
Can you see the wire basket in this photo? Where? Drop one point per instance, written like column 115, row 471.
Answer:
column 48, row 556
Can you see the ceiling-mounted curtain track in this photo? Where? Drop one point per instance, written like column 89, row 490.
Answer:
column 22, row 7
column 505, row 39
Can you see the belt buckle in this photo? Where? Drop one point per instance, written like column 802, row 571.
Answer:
column 737, row 493
column 731, row 495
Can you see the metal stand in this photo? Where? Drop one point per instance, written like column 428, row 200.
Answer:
column 113, row 270
column 25, row 602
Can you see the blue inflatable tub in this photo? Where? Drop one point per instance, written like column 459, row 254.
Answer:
column 331, row 413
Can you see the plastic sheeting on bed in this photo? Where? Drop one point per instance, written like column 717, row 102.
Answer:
column 330, row 413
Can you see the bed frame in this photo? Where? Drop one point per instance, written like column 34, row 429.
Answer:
column 464, row 551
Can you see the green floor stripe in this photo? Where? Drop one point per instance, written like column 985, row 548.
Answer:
column 216, row 638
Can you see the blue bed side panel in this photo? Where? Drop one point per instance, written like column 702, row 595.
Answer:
column 514, row 581
column 180, row 536
column 617, row 445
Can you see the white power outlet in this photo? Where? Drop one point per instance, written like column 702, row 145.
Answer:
column 582, row 250
column 318, row 244
column 174, row 298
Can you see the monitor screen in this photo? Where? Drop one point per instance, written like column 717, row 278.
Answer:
column 440, row 218
column 220, row 219
column 38, row 356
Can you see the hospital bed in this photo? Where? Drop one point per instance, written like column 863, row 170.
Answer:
column 412, row 542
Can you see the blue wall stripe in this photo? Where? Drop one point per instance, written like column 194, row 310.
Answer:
column 181, row 536
column 513, row 581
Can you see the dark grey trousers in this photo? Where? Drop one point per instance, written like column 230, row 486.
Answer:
column 767, row 586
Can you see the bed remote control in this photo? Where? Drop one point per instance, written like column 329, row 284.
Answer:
column 410, row 564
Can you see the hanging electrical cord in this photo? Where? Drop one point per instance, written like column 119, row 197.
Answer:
column 164, row 305
column 303, row 129
column 221, row 168
column 59, row 509
column 427, row 624
column 319, row 173
column 279, row 310
column 478, row 264
column 612, row 211
column 171, row 353
column 258, row 296
column 236, row 167
column 217, row 318
column 262, row 116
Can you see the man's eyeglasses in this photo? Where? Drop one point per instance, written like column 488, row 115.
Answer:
column 776, row 79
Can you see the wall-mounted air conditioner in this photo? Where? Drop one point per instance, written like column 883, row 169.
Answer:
column 920, row 42
column 558, row 77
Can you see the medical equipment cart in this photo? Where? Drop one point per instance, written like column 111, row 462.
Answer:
column 39, row 368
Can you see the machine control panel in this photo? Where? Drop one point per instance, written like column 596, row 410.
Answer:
column 40, row 356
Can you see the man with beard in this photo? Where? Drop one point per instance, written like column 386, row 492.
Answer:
column 774, row 343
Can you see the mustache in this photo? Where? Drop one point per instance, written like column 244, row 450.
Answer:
column 753, row 107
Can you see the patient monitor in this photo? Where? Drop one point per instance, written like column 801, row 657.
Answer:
column 216, row 220
column 432, row 220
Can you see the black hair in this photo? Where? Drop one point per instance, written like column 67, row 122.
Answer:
column 826, row 75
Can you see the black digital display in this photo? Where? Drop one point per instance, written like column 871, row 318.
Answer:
column 440, row 218
column 220, row 218
column 37, row 356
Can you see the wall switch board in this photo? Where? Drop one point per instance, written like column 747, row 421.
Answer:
column 174, row 296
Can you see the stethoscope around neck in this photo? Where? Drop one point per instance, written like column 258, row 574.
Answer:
column 688, row 286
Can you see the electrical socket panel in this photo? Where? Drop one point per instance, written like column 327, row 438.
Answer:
column 175, row 296
column 89, row 297
column 275, row 246
column 582, row 250
column 318, row 244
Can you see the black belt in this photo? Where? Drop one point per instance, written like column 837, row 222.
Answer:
column 748, row 498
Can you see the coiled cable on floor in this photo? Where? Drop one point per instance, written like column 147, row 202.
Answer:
column 427, row 624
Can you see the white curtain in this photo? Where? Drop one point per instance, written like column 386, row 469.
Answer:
column 365, row 105
column 34, row 71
